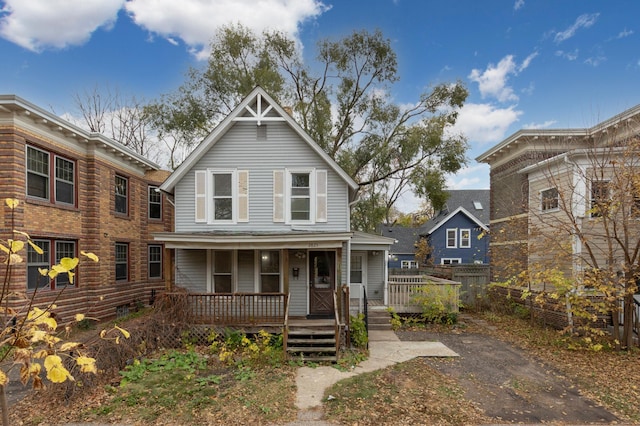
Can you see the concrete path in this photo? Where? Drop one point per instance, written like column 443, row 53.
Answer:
column 385, row 349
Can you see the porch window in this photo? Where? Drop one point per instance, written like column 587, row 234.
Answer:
column 269, row 271
column 549, row 199
column 222, row 277
column 300, row 196
column 465, row 238
column 122, row 194
column 356, row 269
column 599, row 197
column 452, row 238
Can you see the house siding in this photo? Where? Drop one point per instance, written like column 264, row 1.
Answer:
column 479, row 245
column 282, row 149
column 191, row 270
column 375, row 276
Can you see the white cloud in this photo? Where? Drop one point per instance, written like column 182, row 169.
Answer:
column 40, row 24
column 484, row 123
column 519, row 4
column 572, row 56
column 624, row 33
column 196, row 21
column 545, row 125
column 585, row 20
column 492, row 82
column 595, row 60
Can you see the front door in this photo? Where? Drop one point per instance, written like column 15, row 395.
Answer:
column 322, row 278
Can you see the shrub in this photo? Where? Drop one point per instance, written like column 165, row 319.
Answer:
column 359, row 336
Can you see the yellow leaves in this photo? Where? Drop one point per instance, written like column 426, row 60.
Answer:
column 65, row 347
column 68, row 263
column 12, row 203
column 87, row 364
column 3, row 379
column 79, row 317
column 124, row 332
column 56, row 372
column 90, row 255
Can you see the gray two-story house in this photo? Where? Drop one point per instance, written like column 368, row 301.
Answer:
column 262, row 218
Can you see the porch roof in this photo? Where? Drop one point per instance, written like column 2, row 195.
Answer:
column 250, row 240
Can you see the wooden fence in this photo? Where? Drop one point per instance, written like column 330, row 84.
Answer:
column 403, row 290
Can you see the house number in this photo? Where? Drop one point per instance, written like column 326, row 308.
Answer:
column 313, row 244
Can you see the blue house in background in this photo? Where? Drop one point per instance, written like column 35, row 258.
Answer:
column 459, row 232
column 402, row 251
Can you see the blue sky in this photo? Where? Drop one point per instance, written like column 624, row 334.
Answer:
column 526, row 63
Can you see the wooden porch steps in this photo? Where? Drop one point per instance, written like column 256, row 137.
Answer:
column 313, row 341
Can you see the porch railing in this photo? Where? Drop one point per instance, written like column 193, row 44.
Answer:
column 234, row 308
column 403, row 290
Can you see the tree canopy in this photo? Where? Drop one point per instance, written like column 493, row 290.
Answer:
column 344, row 102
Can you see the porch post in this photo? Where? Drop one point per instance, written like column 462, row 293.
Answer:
column 385, row 259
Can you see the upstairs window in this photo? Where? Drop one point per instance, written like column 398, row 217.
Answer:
column 221, row 196
column 452, row 238
column 599, row 197
column 155, row 203
column 300, row 196
column 222, row 184
column 122, row 194
column 465, row 238
column 44, row 170
column 549, row 199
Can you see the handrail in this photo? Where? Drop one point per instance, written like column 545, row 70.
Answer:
column 285, row 328
column 337, row 321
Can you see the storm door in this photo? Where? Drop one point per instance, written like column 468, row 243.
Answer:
column 322, row 279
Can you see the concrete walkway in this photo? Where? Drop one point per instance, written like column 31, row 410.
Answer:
column 385, row 349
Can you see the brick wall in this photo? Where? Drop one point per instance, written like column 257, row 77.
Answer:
column 92, row 223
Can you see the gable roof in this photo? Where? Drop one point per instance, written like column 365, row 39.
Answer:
column 474, row 203
column 405, row 237
column 258, row 106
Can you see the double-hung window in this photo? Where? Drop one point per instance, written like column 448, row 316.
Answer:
column 549, row 199
column 222, row 196
column 222, row 271
column 465, row 238
column 155, row 203
column 452, row 238
column 122, row 194
column 300, row 196
column 154, row 261
column 48, row 172
column 53, row 252
column 122, row 261
column 408, row 264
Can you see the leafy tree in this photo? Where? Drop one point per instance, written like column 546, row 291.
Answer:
column 343, row 102
column 29, row 334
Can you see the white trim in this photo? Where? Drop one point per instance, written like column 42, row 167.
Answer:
column 210, row 196
column 541, row 200
column 469, row 239
column 258, row 269
column 289, row 197
column 458, row 260
column 455, row 212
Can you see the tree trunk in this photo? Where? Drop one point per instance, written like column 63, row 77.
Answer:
column 4, row 405
column 627, row 334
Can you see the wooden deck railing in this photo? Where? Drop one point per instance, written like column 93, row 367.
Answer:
column 233, row 308
column 403, row 289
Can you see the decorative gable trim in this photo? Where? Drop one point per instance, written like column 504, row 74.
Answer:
column 452, row 214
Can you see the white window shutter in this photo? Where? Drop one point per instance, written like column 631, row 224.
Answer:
column 278, row 195
column 321, row 195
column 243, row 196
column 201, row 196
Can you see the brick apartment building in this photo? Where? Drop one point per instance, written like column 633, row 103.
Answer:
column 80, row 191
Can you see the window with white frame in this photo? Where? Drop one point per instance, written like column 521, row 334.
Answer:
column 221, row 196
column 549, row 199
column 39, row 165
column 408, row 264
column 154, row 261
column 450, row 261
column 269, row 271
column 599, row 197
column 53, row 252
column 465, row 238
column 356, row 269
column 300, row 196
column 452, row 238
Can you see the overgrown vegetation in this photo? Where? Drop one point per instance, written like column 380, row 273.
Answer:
column 359, row 336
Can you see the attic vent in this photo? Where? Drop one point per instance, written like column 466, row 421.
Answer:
column 477, row 205
column 261, row 132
